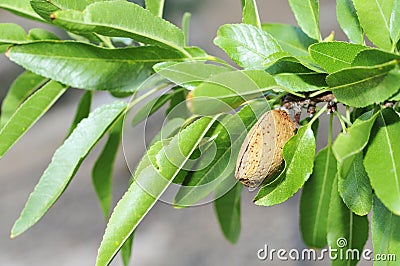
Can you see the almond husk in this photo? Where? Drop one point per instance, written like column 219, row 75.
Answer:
column 261, row 153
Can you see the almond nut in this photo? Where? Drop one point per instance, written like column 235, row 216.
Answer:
column 261, row 153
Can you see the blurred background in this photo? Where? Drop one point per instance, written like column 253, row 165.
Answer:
column 72, row 230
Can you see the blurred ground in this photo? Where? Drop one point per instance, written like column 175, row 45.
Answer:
column 71, row 232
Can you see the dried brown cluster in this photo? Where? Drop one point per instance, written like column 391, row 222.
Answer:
column 261, row 153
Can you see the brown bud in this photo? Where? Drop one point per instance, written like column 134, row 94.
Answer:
column 261, row 153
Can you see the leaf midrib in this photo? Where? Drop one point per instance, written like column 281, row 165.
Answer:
column 391, row 153
column 331, row 57
column 314, row 18
column 321, row 194
column 108, row 60
column 359, row 81
column 383, row 15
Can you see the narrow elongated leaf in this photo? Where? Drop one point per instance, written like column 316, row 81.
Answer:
column 155, row 6
column 28, row 113
column 149, row 184
column 385, row 233
column 334, row 56
column 250, row 13
column 247, row 45
column 395, row 22
column 90, row 67
column 64, row 163
column 126, row 250
column 378, row 28
column 298, row 154
column 227, row 209
column 229, row 90
column 103, row 168
column 21, row 8
column 348, row 21
column 363, row 86
column 22, row 87
column 12, row 34
column 382, row 159
column 188, row 74
column 104, row 18
column 82, row 111
column 315, row 199
column 354, row 186
column 307, row 16
column 149, row 108
column 230, row 134
column 292, row 39
column 346, row 231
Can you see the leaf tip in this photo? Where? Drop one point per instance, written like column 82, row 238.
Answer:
column 15, row 231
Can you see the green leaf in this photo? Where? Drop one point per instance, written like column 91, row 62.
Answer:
column 363, row 86
column 354, row 186
column 292, row 39
column 170, row 129
column 298, row 154
column 90, row 67
column 126, row 250
column 334, row 56
column 250, row 13
column 21, row 88
column 103, row 169
column 315, row 199
column 356, row 138
column 302, row 82
column 38, row 34
column 374, row 16
column 346, row 231
column 348, row 21
column 82, row 111
column 247, row 45
column 155, row 6
column 105, row 18
column 227, row 208
column 149, row 184
column 21, row 8
column 188, row 74
column 395, row 22
column 373, row 57
column 382, row 159
column 28, row 113
column 385, row 232
column 64, row 164
column 307, row 16
column 150, row 108
column 229, row 90
column 229, row 136
column 11, row 34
